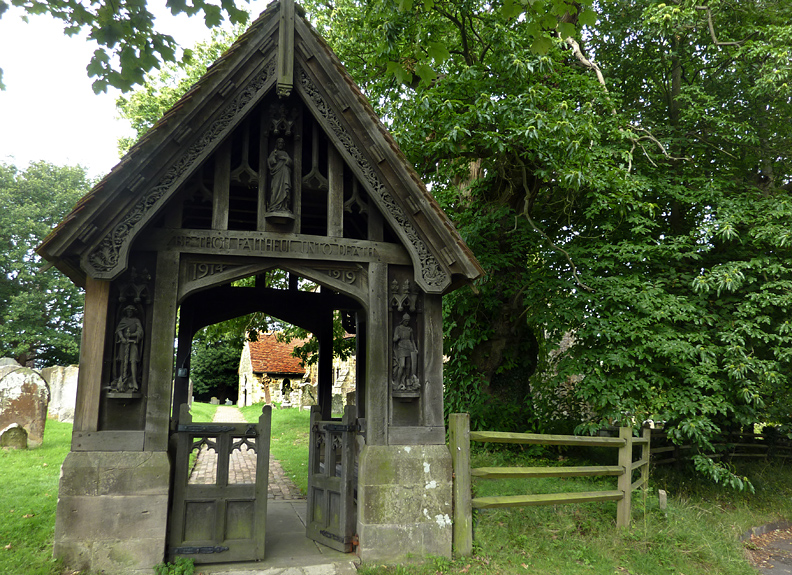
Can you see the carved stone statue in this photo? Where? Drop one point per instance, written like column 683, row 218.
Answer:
column 129, row 345
column 280, row 166
column 405, row 350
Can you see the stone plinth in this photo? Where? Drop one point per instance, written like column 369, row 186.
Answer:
column 113, row 511
column 404, row 502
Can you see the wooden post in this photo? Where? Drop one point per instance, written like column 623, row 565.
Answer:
column 92, row 349
column 624, row 506
column 459, row 444
column 222, row 187
column 335, row 193
column 645, row 455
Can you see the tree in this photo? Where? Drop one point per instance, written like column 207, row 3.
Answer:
column 214, row 364
column 637, row 207
column 40, row 311
column 129, row 45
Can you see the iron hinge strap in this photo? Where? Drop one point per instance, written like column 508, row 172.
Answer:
column 335, row 537
column 206, row 428
column 199, row 550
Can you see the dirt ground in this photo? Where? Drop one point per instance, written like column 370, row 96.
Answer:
column 771, row 553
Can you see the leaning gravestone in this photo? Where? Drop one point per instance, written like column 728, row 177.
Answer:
column 62, row 383
column 24, row 397
column 13, row 437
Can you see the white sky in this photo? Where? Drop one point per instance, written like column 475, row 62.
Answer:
column 48, row 110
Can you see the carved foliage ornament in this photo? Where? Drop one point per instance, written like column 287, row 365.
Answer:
column 432, row 273
column 104, row 258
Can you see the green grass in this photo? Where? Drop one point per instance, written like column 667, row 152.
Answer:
column 28, row 498
column 289, row 441
column 202, row 411
column 698, row 535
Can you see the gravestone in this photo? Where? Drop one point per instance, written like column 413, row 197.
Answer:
column 62, row 381
column 24, row 396
column 13, row 437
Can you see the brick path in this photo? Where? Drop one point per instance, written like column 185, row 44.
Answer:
column 242, row 466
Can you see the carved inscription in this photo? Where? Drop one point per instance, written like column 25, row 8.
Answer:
column 273, row 246
column 346, row 276
column 201, row 270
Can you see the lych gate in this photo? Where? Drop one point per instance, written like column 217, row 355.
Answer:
column 272, row 161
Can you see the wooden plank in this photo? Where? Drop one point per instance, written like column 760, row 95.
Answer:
column 160, row 371
column 540, row 439
column 430, row 345
column 335, row 193
column 640, row 482
column 222, row 187
column 459, row 444
column 262, row 479
column 662, row 449
column 272, row 245
column 92, row 348
column 263, row 171
column 639, row 463
column 107, row 440
column 528, row 472
column 544, row 499
column 378, row 365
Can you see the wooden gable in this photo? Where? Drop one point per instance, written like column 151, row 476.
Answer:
column 205, row 168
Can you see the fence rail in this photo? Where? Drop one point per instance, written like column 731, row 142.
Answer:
column 739, row 444
column 460, row 437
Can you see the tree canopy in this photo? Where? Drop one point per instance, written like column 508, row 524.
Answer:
column 623, row 177
column 40, row 311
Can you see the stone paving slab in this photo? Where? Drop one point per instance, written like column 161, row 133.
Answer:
column 344, row 568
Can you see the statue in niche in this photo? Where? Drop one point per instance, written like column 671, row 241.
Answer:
column 405, row 350
column 280, row 165
column 129, row 345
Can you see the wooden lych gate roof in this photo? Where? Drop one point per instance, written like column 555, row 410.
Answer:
column 96, row 237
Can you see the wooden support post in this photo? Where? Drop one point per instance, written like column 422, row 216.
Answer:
column 645, row 455
column 160, row 373
column 378, row 367
column 92, row 349
column 222, row 187
column 325, row 367
column 459, row 444
column 624, row 506
column 431, row 344
column 335, row 193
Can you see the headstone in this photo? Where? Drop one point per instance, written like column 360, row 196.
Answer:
column 338, row 403
column 350, row 398
column 13, row 437
column 214, row 401
column 24, row 397
column 229, row 402
column 62, row 383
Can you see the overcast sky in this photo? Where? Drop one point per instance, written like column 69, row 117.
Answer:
column 48, row 110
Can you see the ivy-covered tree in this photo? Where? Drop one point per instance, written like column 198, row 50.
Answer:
column 40, row 311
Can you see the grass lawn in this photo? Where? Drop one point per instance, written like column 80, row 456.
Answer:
column 28, row 498
column 289, row 441
column 697, row 535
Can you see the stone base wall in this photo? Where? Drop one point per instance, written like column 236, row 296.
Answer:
column 113, row 511
column 404, row 502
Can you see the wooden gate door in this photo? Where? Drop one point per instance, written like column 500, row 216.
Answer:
column 219, row 514
column 331, row 480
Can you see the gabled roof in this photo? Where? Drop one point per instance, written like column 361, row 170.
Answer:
column 268, row 355
column 95, row 238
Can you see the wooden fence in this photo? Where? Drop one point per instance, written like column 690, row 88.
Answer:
column 729, row 445
column 460, row 437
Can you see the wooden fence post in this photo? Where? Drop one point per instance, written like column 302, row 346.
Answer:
column 459, row 444
column 624, row 506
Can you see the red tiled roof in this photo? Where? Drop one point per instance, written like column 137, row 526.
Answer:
column 268, row 355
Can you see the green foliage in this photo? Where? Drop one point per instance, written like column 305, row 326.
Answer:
column 129, row 43
column 214, row 364
column 180, row 566
column 639, row 216
column 40, row 311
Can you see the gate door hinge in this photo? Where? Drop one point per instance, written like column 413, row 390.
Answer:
column 198, row 550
